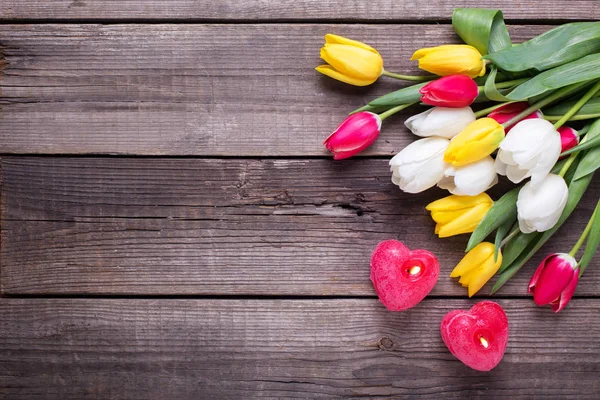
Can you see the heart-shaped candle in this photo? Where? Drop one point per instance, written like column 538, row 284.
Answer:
column 402, row 278
column 477, row 337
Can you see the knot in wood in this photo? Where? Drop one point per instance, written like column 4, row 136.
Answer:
column 385, row 343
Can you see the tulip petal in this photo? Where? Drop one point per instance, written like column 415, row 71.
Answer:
column 420, row 165
column 567, row 293
column 485, row 272
column 440, row 121
column 478, row 140
column 473, row 259
column 445, row 217
column 332, row 73
column 555, row 277
column 530, row 150
column 458, row 202
column 353, row 61
column 539, row 208
column 330, row 38
column 538, row 273
column 466, row 223
column 451, row 60
column 471, row 179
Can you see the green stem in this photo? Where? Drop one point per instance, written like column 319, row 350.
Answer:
column 568, row 164
column 584, row 99
column 394, row 110
column 573, row 156
column 505, row 84
column 509, row 237
column 544, row 102
column 488, row 110
column 580, row 117
column 586, row 232
column 415, row 78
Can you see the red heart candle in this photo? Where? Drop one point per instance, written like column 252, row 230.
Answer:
column 402, row 278
column 477, row 337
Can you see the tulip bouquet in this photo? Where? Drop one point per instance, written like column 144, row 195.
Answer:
column 532, row 89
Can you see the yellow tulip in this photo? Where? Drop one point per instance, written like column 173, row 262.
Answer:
column 350, row 61
column 459, row 214
column 451, row 59
column 477, row 267
column 479, row 139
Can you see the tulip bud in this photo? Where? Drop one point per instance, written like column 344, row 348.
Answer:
column 508, row 111
column 350, row 61
column 453, row 91
column 455, row 215
column 478, row 140
column 540, row 207
column 453, row 59
column 568, row 138
column 355, row 134
column 420, row 165
column 531, row 150
column 440, row 121
column 471, row 179
column 477, row 267
column 554, row 281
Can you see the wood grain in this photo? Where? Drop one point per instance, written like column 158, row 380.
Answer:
column 273, row 349
column 228, row 90
column 189, row 226
column 268, row 10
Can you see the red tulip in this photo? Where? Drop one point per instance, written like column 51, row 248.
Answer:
column 506, row 112
column 568, row 138
column 454, row 91
column 355, row 134
column 554, row 281
column 402, row 278
column 477, row 337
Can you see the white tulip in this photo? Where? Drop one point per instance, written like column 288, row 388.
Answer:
column 540, row 207
column 531, row 149
column 440, row 121
column 471, row 179
column 420, row 165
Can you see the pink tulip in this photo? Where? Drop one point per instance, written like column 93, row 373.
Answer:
column 355, row 134
column 554, row 281
column 506, row 112
column 453, row 91
column 568, row 138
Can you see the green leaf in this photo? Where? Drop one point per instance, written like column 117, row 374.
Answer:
column 588, row 144
column 591, row 160
column 373, row 109
column 504, row 209
column 576, row 190
column 490, row 90
column 558, row 46
column 515, row 248
column 508, row 273
column 501, row 234
column 481, row 28
column 582, row 70
column 591, row 107
column 593, row 241
column 405, row 95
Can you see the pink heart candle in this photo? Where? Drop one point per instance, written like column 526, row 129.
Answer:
column 402, row 278
column 477, row 337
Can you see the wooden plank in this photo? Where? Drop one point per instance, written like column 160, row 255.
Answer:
column 319, row 349
column 189, row 226
column 192, row 89
column 187, row 10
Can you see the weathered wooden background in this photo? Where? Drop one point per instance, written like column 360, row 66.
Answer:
column 173, row 228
